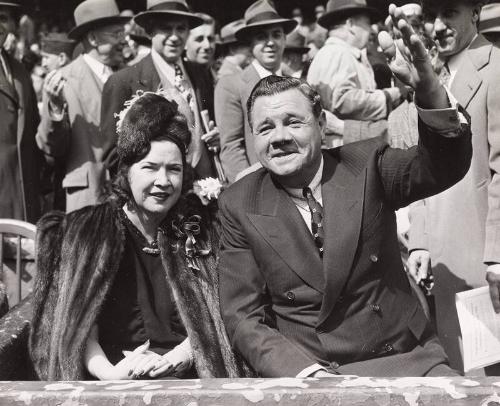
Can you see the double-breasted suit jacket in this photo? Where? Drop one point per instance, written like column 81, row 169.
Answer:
column 122, row 85
column 461, row 227
column 75, row 138
column 285, row 309
column 20, row 158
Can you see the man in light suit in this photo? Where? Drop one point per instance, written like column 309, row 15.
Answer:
column 20, row 159
column 265, row 31
column 69, row 129
column 311, row 279
column 167, row 22
column 459, row 230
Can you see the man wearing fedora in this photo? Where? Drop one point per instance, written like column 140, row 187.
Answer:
column 340, row 71
column 294, row 57
column 236, row 53
column 20, row 159
column 70, row 124
column 168, row 23
column 458, row 231
column 265, row 31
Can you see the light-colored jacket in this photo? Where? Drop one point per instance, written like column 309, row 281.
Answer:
column 76, row 138
column 343, row 77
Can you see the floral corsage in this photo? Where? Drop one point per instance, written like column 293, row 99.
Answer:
column 208, row 190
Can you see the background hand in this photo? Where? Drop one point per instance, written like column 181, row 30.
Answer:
column 53, row 86
column 212, row 138
column 493, row 278
column 419, row 264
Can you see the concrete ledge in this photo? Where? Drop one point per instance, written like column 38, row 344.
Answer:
column 14, row 331
column 284, row 391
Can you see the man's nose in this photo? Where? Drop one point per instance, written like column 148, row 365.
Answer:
column 280, row 136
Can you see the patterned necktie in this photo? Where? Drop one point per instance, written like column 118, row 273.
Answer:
column 316, row 219
column 445, row 75
column 182, row 86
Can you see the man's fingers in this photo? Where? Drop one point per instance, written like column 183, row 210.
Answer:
column 423, row 269
column 387, row 44
column 413, row 268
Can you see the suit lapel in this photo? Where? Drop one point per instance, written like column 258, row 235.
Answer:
column 89, row 90
column 149, row 79
column 18, row 85
column 283, row 228
column 467, row 80
column 342, row 200
column 5, row 87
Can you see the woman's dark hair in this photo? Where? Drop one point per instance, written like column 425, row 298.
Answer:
column 150, row 117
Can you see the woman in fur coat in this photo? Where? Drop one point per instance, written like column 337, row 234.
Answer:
column 128, row 288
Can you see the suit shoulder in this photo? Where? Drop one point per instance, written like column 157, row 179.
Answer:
column 357, row 155
column 241, row 190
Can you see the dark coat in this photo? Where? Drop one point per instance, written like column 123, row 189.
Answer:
column 77, row 259
column 122, row 85
column 20, row 158
column 286, row 309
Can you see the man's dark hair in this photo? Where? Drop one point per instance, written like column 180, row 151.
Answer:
column 273, row 85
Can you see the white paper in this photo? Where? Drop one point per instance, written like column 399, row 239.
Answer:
column 480, row 327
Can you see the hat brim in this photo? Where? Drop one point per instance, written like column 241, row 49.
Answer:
column 333, row 17
column 287, row 24
column 490, row 25
column 9, row 4
column 80, row 30
column 143, row 18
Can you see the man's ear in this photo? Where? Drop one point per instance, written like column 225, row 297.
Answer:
column 92, row 39
column 62, row 59
column 322, row 123
column 476, row 12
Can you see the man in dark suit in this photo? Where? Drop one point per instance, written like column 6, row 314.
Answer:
column 20, row 159
column 311, row 279
column 168, row 24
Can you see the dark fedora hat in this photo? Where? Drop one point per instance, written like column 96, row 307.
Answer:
column 262, row 14
column 296, row 42
column 95, row 13
column 158, row 9
column 337, row 10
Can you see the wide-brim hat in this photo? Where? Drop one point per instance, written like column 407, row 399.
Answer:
column 228, row 32
column 337, row 10
column 262, row 14
column 490, row 18
column 167, row 8
column 296, row 42
column 95, row 13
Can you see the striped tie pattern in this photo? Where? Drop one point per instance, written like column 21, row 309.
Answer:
column 182, row 86
column 316, row 219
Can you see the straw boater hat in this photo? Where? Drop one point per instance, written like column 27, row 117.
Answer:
column 490, row 18
column 296, row 42
column 161, row 9
column 260, row 15
column 95, row 13
column 337, row 10
column 227, row 33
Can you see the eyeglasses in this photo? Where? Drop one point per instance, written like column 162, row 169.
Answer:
column 119, row 35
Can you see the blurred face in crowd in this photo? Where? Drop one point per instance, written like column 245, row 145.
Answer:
column 454, row 26
column 200, row 45
column 360, row 28
column 156, row 180
column 288, row 136
column 297, row 15
column 7, row 23
column 268, row 45
column 168, row 37
column 52, row 62
column 109, row 42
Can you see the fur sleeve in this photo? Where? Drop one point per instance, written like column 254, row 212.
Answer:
column 47, row 256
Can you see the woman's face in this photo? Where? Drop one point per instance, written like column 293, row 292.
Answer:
column 156, row 180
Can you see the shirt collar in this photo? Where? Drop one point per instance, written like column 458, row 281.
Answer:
column 340, row 42
column 165, row 68
column 314, row 185
column 103, row 72
column 263, row 72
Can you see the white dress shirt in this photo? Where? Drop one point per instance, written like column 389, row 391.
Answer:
column 263, row 72
column 103, row 72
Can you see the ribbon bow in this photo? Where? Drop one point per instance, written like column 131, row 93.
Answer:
column 188, row 229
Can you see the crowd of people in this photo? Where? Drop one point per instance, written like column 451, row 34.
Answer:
column 359, row 158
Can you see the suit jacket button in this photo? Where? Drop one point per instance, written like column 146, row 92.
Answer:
column 334, row 365
column 373, row 258
column 290, row 295
column 375, row 308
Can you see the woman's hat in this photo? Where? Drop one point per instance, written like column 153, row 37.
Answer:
column 262, row 14
column 296, row 42
column 337, row 10
column 95, row 13
column 161, row 9
column 490, row 18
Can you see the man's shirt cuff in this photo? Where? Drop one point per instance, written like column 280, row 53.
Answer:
column 306, row 372
column 446, row 122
